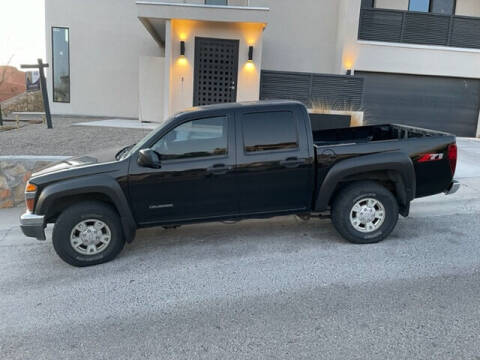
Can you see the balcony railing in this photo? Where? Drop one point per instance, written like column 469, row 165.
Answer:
column 419, row 28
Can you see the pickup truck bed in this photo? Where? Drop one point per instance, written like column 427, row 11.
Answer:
column 431, row 177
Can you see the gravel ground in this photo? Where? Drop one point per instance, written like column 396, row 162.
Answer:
column 65, row 139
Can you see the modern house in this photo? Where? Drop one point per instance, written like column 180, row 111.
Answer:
column 406, row 61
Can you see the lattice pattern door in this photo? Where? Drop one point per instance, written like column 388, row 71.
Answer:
column 216, row 71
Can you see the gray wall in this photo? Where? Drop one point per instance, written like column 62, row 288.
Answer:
column 106, row 40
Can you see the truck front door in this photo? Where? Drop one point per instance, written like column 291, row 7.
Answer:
column 196, row 178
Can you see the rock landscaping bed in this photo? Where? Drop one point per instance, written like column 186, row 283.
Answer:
column 14, row 173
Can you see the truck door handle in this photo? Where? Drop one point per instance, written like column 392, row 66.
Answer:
column 292, row 162
column 218, row 169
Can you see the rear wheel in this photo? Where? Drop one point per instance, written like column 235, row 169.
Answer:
column 365, row 212
column 87, row 234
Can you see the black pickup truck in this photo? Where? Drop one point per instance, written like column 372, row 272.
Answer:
column 238, row 161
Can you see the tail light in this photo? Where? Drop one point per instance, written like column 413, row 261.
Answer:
column 452, row 157
column 30, row 191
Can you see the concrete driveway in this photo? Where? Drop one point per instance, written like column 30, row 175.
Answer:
column 281, row 289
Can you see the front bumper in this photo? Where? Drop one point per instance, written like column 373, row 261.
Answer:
column 33, row 225
column 453, row 188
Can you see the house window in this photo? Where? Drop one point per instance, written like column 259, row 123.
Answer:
column 216, row 2
column 419, row 5
column 446, row 7
column 61, row 64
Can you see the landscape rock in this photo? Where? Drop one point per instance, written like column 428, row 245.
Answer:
column 14, row 173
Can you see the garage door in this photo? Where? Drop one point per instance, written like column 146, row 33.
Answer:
column 439, row 103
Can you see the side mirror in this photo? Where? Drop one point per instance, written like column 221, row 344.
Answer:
column 148, row 158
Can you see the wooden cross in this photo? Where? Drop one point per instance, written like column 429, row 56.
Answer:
column 43, row 85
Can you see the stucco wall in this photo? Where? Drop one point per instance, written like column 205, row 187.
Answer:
column 300, row 35
column 151, row 87
column 106, row 40
column 392, row 4
column 468, row 7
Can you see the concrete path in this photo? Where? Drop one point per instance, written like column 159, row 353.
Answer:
column 278, row 289
column 120, row 123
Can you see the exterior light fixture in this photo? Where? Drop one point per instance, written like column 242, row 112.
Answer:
column 250, row 53
column 182, row 48
column 349, row 72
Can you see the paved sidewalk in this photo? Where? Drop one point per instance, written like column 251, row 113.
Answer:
column 120, row 123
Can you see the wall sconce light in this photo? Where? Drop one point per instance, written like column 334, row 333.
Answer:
column 349, row 72
column 250, row 53
column 182, row 48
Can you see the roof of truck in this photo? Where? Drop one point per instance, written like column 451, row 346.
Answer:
column 240, row 105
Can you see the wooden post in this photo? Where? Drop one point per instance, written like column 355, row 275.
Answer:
column 1, row 119
column 43, row 85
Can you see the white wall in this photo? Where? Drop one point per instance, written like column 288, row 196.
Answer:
column 300, row 35
column 468, row 7
column 106, row 40
column 151, row 88
column 392, row 4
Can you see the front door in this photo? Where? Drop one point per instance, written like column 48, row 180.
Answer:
column 216, row 71
column 195, row 179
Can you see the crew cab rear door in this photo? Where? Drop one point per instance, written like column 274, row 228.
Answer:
column 274, row 165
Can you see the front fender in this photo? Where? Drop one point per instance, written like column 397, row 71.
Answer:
column 102, row 184
column 397, row 166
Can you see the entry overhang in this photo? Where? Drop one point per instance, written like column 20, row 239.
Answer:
column 154, row 14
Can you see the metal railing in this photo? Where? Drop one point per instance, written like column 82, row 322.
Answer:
column 419, row 28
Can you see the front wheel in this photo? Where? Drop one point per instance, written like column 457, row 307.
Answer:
column 87, row 234
column 365, row 212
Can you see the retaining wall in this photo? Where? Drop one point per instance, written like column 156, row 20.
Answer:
column 14, row 173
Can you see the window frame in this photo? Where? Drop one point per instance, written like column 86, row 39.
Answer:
column 199, row 158
column 263, row 152
column 53, row 67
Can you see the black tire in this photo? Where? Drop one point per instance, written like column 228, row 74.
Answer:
column 73, row 215
column 349, row 196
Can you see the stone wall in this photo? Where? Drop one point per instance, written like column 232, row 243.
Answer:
column 14, row 173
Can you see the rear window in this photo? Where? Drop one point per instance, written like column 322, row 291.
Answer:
column 268, row 131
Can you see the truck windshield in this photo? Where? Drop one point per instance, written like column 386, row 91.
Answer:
column 132, row 149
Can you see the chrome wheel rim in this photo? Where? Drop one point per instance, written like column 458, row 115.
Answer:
column 90, row 237
column 367, row 215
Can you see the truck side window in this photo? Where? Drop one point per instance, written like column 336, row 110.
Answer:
column 193, row 139
column 265, row 131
